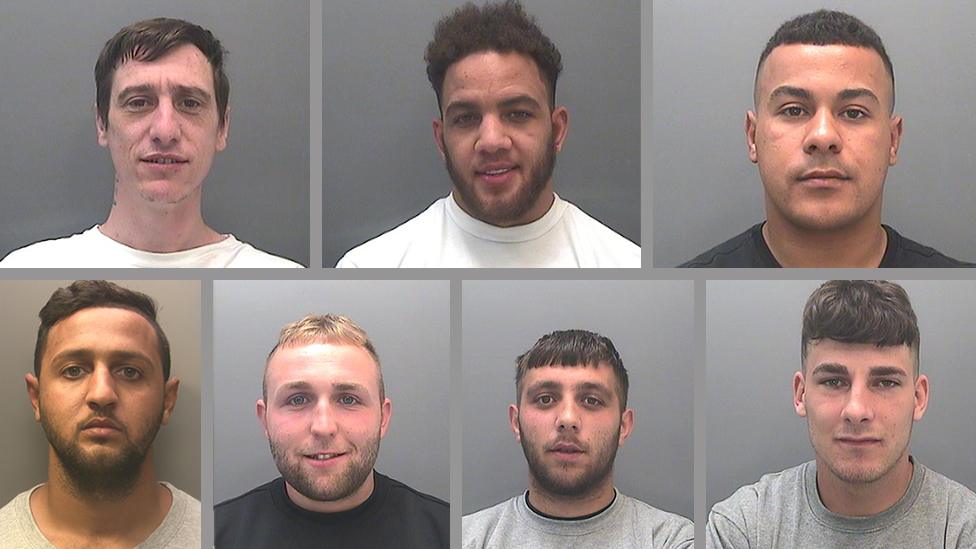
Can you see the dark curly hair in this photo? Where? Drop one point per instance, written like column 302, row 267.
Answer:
column 502, row 27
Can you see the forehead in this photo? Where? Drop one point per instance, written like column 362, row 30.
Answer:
column 571, row 376
column 491, row 73
column 859, row 357
column 184, row 65
column 825, row 69
column 103, row 329
column 322, row 364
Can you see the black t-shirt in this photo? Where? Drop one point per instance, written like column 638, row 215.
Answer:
column 394, row 515
column 749, row 249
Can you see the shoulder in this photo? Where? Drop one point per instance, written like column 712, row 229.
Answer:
column 387, row 249
column 236, row 518
column 668, row 530
column 908, row 253
column 958, row 498
column 405, row 494
column 478, row 527
column 54, row 252
column 247, row 256
column 605, row 243
column 258, row 496
column 17, row 527
column 737, row 517
column 738, row 251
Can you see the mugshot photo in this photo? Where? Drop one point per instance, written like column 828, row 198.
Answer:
column 102, row 412
column 835, row 413
column 553, row 432
column 153, row 137
column 866, row 162
column 542, row 168
column 315, row 382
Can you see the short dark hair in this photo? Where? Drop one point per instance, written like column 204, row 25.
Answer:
column 149, row 40
column 86, row 294
column 502, row 27
column 877, row 312
column 573, row 348
column 827, row 28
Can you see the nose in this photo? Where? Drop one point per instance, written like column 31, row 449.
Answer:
column 323, row 420
column 492, row 136
column 101, row 388
column 165, row 127
column 822, row 134
column 569, row 418
column 858, row 409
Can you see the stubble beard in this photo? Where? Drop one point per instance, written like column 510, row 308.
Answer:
column 101, row 476
column 584, row 483
column 508, row 212
column 342, row 484
column 860, row 475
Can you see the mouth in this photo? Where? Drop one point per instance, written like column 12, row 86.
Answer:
column 859, row 442
column 101, row 427
column 323, row 459
column 164, row 160
column 829, row 177
column 566, row 450
column 496, row 173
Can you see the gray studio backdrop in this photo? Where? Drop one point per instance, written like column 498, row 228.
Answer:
column 705, row 55
column 407, row 321
column 177, row 446
column 753, row 349
column 57, row 180
column 381, row 166
column 651, row 325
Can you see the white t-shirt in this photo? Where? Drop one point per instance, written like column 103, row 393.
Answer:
column 180, row 528
column 444, row 235
column 93, row 249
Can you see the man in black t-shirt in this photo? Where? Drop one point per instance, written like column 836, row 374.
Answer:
column 823, row 134
column 324, row 411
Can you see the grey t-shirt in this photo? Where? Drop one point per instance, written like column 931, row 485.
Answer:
column 180, row 528
column 627, row 523
column 784, row 510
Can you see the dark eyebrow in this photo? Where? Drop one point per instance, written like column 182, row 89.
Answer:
column 857, row 93
column 148, row 88
column 461, row 105
column 114, row 356
column 295, row 386
column 543, row 386
column 830, row 368
column 133, row 90
column 886, row 371
column 193, row 90
column 520, row 100
column 790, row 91
column 590, row 386
column 349, row 387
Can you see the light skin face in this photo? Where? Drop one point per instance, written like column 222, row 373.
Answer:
column 101, row 392
column 324, row 419
column 163, row 110
column 823, row 136
column 570, row 424
column 499, row 137
column 860, row 401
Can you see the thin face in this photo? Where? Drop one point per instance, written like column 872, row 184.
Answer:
column 860, row 401
column 163, row 128
column 101, row 397
column 324, row 420
column 499, row 137
column 822, row 135
column 569, row 424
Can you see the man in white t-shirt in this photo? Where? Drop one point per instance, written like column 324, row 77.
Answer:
column 494, row 73
column 101, row 389
column 162, row 112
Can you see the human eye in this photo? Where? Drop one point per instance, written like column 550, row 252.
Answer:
column 520, row 116
column 833, row 383
column 792, row 111
column 464, row 119
column 545, row 400
column 854, row 114
column 138, row 104
column 593, row 402
column 888, row 383
column 73, row 372
column 348, row 400
column 190, row 104
column 129, row 373
column 297, row 400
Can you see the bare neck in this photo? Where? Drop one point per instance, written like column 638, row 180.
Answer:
column 157, row 226
column 860, row 245
column 571, row 506
column 69, row 518
column 864, row 499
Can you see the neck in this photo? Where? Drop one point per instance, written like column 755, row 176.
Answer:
column 343, row 504
column 860, row 245
column 157, row 226
column 571, row 506
column 864, row 499
column 63, row 513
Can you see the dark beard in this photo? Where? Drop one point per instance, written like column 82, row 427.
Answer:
column 101, row 477
column 345, row 484
column 504, row 215
column 584, row 484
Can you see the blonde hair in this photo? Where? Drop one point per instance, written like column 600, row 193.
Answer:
column 330, row 328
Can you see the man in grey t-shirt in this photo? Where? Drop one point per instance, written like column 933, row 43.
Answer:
column 860, row 389
column 101, row 389
column 571, row 417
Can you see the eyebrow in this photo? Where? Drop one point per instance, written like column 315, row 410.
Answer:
column 114, row 356
column 830, row 368
column 789, row 91
column 306, row 386
column 521, row 99
column 148, row 88
column 543, row 386
column 886, row 371
column 802, row 93
column 857, row 93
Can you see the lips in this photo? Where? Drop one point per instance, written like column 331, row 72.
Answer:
column 496, row 172
column 823, row 174
column 859, row 441
column 102, row 423
column 566, row 448
column 164, row 159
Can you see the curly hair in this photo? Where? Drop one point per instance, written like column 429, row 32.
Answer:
column 503, row 27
